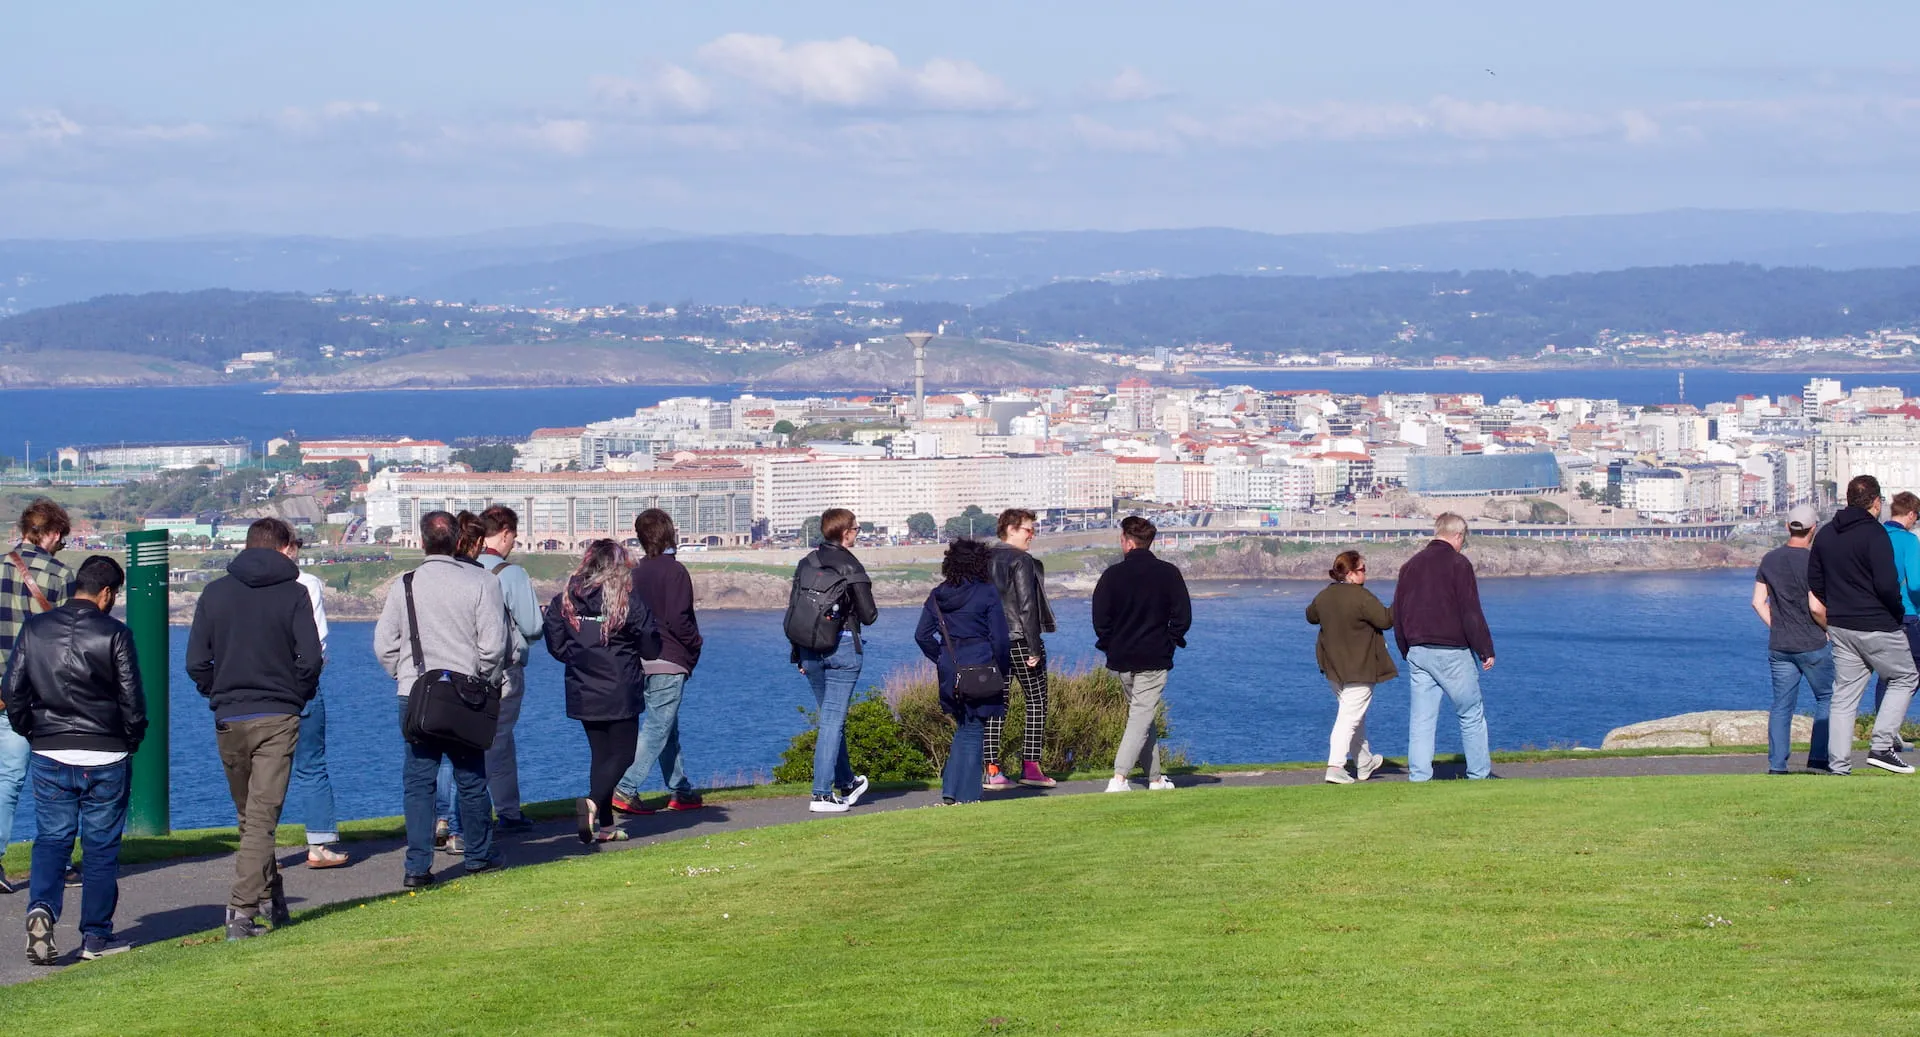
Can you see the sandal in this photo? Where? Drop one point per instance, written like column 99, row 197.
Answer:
column 325, row 857
column 610, row 835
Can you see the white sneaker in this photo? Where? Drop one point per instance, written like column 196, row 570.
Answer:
column 856, row 790
column 1338, row 776
column 1160, row 784
column 828, row 804
column 1374, row 763
column 1118, row 785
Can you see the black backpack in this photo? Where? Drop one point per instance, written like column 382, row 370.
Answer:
column 817, row 607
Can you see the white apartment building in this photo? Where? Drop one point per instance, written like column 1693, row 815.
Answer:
column 1890, row 452
column 562, row 511
column 1818, row 393
column 548, row 450
column 369, row 453
column 217, row 453
column 1288, row 486
column 884, row 491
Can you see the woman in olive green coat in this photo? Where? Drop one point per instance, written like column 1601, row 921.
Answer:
column 1353, row 656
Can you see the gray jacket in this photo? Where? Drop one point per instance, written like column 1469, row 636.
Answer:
column 462, row 623
column 524, row 621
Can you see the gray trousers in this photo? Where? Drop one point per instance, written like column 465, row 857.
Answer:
column 503, row 757
column 1138, row 745
column 1857, row 656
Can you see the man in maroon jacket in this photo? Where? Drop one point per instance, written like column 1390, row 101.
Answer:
column 1441, row 632
column 668, row 591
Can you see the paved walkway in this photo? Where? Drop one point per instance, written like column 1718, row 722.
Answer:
column 171, row 899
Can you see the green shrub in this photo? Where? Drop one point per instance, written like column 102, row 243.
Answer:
column 1086, row 715
column 876, row 747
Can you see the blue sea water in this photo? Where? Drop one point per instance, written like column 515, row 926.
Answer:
column 60, row 417
column 1577, row 656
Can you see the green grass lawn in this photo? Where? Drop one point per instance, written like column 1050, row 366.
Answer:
column 1657, row 905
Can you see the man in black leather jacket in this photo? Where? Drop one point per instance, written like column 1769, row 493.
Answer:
column 73, row 692
column 1022, row 582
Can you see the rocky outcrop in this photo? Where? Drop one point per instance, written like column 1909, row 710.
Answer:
column 1265, row 558
column 1706, row 729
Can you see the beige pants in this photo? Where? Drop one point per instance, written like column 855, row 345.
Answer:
column 258, row 757
column 1350, row 725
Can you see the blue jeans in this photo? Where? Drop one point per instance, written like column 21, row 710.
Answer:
column 1788, row 668
column 90, row 802
column 14, row 753
column 659, row 738
column 311, row 777
column 832, row 676
column 960, row 780
column 1453, row 671
column 418, row 768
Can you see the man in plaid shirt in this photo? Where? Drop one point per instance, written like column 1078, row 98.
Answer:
column 32, row 580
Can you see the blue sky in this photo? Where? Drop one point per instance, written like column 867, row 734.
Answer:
column 126, row 120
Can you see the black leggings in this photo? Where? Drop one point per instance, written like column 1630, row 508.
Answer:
column 611, row 743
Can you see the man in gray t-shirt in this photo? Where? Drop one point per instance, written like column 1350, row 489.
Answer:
column 1796, row 641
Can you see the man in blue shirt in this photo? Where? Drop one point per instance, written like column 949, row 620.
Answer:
column 1902, row 511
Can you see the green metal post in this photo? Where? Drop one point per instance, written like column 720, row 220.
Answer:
column 147, row 813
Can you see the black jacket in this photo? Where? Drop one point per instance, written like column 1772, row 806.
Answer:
column 254, row 647
column 1436, row 603
column 861, row 611
column 73, row 682
column 979, row 628
column 668, row 591
column 1141, row 613
column 1022, row 583
column 604, row 679
column 1852, row 571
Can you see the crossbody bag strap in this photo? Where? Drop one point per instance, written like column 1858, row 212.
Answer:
column 946, row 637
column 26, row 577
column 413, row 628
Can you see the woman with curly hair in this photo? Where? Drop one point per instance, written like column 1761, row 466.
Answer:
column 1353, row 656
column 964, row 625
column 600, row 629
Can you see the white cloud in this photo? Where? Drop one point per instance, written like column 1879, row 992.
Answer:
column 1442, row 117
column 670, row 90
column 565, row 136
column 1128, row 86
column 852, row 73
column 50, row 124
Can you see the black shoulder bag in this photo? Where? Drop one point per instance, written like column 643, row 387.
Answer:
column 454, row 710
column 975, row 684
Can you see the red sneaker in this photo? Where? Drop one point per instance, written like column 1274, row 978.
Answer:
column 630, row 806
column 679, row 802
column 1031, row 775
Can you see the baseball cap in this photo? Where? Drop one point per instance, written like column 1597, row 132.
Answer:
column 1803, row 517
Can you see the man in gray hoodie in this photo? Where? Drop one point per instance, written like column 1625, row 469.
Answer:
column 462, row 628
column 523, row 628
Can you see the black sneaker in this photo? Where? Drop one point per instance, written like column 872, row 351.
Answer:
column 454, row 845
column 1772, row 771
column 853, row 792
column 242, row 926
column 421, row 881
column 73, row 876
column 40, row 948
column 493, row 863
column 101, row 946
column 1888, row 760
column 6, row 886
column 1818, row 765
column 513, row 825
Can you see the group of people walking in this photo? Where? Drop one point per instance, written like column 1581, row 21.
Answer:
column 983, row 628
column 1842, row 609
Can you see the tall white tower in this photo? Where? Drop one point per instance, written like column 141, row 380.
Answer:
column 919, row 341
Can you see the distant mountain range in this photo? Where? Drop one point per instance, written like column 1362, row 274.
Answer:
column 586, row 265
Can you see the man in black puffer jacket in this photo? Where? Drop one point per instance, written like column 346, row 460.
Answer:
column 254, row 652
column 73, row 692
column 1851, row 571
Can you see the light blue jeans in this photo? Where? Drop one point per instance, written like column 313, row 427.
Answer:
column 1787, row 668
column 311, row 777
column 14, row 754
column 1455, row 673
column 659, row 738
column 832, row 676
